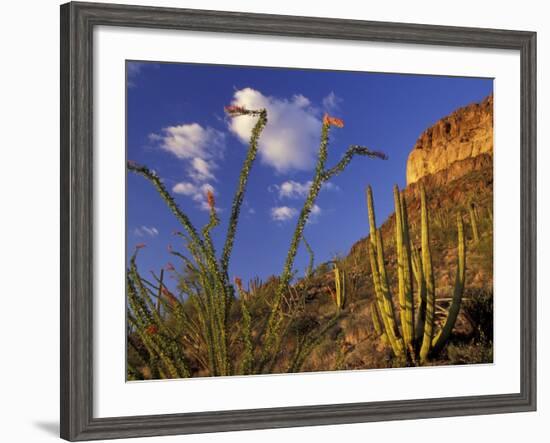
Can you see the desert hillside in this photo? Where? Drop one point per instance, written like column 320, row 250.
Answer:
column 453, row 160
column 328, row 318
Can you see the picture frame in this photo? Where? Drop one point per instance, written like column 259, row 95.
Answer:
column 78, row 21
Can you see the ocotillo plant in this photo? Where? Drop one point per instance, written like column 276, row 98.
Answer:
column 321, row 175
column 247, row 359
column 206, row 330
column 311, row 263
column 415, row 341
column 164, row 353
column 213, row 301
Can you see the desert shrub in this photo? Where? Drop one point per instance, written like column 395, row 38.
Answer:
column 471, row 353
column 322, row 269
column 479, row 310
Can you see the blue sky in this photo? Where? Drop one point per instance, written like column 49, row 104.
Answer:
column 176, row 126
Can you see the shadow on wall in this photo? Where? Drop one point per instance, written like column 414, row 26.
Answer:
column 49, row 427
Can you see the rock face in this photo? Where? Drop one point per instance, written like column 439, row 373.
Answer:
column 462, row 135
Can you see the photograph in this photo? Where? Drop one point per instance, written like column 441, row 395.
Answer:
column 255, row 222
column 285, row 220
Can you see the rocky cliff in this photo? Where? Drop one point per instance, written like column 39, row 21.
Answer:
column 453, row 160
column 453, row 143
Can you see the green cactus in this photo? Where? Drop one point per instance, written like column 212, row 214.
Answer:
column 443, row 335
column 377, row 323
column 406, row 302
column 414, row 341
column 427, row 270
column 473, row 222
column 383, row 297
column 339, row 293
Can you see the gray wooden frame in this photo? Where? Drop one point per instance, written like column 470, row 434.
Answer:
column 77, row 23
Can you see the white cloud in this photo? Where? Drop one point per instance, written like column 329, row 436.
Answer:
column 293, row 189
column 142, row 231
column 133, row 69
column 283, row 213
column 201, row 170
column 185, row 188
column 332, row 102
column 201, row 148
column 301, row 101
column 329, row 186
column 190, row 141
column 290, row 139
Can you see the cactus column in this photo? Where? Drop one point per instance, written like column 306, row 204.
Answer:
column 416, row 342
column 383, row 295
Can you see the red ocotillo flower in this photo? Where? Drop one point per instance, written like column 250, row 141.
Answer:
column 333, row 121
column 152, row 329
column 140, row 245
column 234, row 110
column 210, row 199
column 239, row 283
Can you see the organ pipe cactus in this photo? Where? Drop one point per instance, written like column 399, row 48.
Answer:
column 404, row 269
column 339, row 293
column 380, row 281
column 443, row 335
column 414, row 341
column 473, row 221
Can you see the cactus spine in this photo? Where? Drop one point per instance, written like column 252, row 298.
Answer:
column 414, row 342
